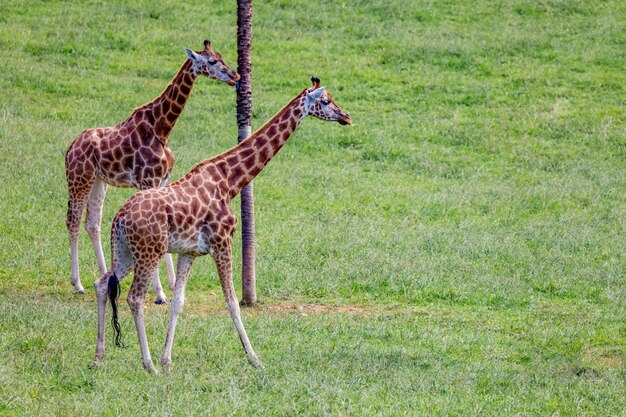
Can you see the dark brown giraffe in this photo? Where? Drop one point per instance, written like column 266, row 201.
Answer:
column 134, row 153
column 192, row 217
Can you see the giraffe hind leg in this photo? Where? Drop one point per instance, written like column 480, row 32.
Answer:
column 121, row 266
column 145, row 268
column 100, row 287
column 79, row 194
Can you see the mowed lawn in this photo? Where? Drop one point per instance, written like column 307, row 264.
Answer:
column 459, row 251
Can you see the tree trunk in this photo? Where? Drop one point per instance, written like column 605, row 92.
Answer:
column 244, row 122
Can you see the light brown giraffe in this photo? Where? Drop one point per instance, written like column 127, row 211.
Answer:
column 192, row 217
column 134, row 153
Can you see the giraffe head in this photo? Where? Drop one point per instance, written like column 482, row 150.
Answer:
column 320, row 104
column 208, row 62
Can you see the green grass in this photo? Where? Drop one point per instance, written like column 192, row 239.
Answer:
column 475, row 212
column 415, row 360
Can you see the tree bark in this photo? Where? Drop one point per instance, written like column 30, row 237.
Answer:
column 244, row 122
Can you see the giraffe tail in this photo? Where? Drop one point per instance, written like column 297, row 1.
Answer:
column 116, row 227
column 114, row 293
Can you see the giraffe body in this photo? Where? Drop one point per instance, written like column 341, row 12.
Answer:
column 134, row 153
column 120, row 159
column 192, row 217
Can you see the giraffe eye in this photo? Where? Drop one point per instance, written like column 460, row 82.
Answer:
column 212, row 61
column 325, row 102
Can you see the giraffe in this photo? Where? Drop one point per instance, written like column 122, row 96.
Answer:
column 192, row 217
column 134, row 153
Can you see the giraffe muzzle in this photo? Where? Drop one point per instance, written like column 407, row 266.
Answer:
column 344, row 119
column 234, row 79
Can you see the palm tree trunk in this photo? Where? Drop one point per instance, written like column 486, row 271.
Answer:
column 244, row 122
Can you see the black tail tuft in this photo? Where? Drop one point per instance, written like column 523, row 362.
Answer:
column 114, row 293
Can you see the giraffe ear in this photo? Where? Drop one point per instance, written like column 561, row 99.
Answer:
column 315, row 94
column 192, row 55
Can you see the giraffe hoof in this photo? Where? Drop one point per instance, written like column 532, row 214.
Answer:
column 161, row 301
column 80, row 291
column 255, row 361
column 166, row 364
column 151, row 369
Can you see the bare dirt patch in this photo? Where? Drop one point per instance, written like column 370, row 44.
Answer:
column 612, row 361
column 314, row 308
column 607, row 358
column 213, row 305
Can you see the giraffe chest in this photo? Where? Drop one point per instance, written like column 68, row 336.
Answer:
column 199, row 230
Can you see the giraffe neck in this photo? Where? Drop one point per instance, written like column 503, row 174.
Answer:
column 164, row 110
column 235, row 168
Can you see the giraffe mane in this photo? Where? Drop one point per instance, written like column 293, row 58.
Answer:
column 182, row 69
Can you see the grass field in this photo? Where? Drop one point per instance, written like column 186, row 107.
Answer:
column 459, row 251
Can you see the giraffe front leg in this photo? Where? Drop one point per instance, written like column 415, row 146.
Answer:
column 176, row 307
column 223, row 261
column 169, row 263
column 171, row 274
column 75, row 275
column 135, row 299
column 161, row 298
column 94, row 219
